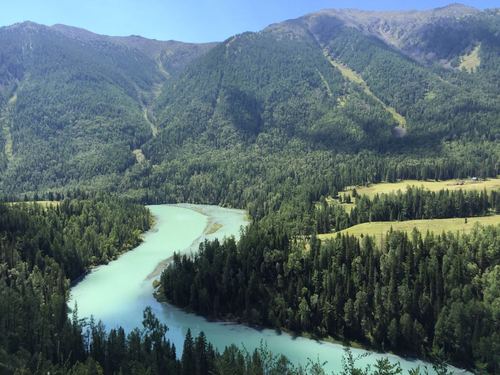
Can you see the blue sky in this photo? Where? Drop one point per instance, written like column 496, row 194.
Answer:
column 188, row 20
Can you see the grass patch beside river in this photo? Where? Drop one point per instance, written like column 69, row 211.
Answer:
column 379, row 229
column 390, row 187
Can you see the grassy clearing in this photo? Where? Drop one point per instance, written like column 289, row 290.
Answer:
column 379, row 229
column 431, row 95
column 470, row 63
column 390, row 187
column 154, row 129
column 8, row 140
column 139, row 156
column 41, row 203
column 342, row 100
column 352, row 76
column 347, row 206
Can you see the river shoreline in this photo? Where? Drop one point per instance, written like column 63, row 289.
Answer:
column 211, row 228
column 117, row 293
column 231, row 319
column 152, row 224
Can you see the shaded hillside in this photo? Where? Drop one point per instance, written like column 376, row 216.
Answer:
column 255, row 85
column 413, row 32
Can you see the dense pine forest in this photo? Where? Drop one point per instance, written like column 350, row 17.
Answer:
column 430, row 295
column 223, row 122
column 421, row 294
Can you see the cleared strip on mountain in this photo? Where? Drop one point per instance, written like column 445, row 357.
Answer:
column 352, row 76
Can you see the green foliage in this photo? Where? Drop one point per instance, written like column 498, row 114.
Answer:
column 413, row 204
column 264, row 83
column 76, row 234
column 242, row 109
column 39, row 248
column 36, row 335
column 262, row 121
column 77, row 113
column 412, row 293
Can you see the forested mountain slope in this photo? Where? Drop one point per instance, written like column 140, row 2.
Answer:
column 173, row 121
column 320, row 87
column 287, row 80
column 74, row 103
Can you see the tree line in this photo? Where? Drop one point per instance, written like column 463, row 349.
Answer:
column 413, row 204
column 43, row 249
column 77, row 234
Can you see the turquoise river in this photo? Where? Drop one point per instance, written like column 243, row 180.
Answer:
column 118, row 292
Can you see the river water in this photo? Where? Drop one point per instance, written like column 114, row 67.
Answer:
column 118, row 292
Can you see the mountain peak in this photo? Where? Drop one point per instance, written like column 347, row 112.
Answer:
column 26, row 25
column 452, row 9
column 402, row 30
column 76, row 32
column 456, row 9
column 457, row 6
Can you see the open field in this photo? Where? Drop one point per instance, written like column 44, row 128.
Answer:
column 380, row 228
column 471, row 62
column 139, row 156
column 347, row 206
column 41, row 203
column 389, row 187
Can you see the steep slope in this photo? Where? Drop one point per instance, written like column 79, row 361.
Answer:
column 340, row 79
column 418, row 34
column 130, row 113
column 352, row 76
column 260, row 85
column 438, row 103
column 171, row 55
column 81, row 103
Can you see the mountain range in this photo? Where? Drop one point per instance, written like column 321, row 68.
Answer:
column 78, row 109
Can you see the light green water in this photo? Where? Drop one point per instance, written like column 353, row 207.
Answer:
column 117, row 293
